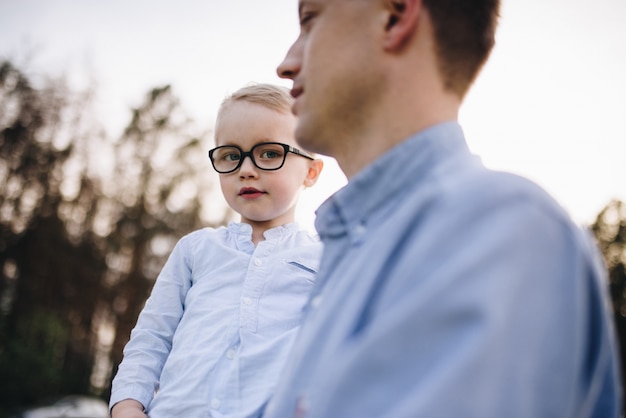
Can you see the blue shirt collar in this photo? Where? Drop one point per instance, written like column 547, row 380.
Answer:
column 403, row 166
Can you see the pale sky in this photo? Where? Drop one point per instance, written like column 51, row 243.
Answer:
column 549, row 105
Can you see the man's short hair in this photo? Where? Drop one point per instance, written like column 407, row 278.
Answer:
column 464, row 37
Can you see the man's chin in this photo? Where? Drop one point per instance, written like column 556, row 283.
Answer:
column 307, row 138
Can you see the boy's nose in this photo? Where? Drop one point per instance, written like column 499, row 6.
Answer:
column 248, row 169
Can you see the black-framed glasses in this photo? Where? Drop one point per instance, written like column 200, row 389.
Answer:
column 268, row 156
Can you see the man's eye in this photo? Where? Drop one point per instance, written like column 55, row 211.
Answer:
column 306, row 18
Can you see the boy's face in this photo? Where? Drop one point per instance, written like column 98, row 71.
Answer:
column 261, row 197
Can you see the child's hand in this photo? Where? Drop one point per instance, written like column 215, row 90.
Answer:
column 128, row 408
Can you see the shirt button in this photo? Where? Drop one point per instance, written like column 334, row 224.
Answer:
column 258, row 262
column 247, row 301
column 315, row 302
column 215, row 403
column 360, row 230
column 230, row 354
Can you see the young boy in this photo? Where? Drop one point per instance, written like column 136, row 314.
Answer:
column 223, row 313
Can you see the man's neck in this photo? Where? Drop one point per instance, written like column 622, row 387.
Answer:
column 396, row 123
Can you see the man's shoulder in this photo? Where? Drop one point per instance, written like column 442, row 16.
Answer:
column 479, row 205
column 481, row 190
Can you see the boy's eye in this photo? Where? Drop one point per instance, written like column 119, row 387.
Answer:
column 270, row 154
column 231, row 157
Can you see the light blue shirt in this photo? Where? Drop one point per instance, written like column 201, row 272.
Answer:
column 449, row 290
column 216, row 330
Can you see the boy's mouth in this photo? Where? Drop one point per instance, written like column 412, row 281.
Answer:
column 250, row 193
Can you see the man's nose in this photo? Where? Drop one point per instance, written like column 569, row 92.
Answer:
column 291, row 65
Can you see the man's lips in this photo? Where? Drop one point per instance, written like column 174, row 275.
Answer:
column 250, row 193
column 296, row 91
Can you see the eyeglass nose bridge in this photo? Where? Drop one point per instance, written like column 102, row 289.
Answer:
column 245, row 154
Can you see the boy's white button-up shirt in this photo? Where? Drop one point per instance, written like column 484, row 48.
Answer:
column 214, row 334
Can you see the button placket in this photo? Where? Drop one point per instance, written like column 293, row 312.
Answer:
column 358, row 232
column 255, row 278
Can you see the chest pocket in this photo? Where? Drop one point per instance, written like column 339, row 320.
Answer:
column 300, row 265
column 286, row 292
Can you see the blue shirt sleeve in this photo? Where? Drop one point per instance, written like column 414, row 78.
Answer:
column 151, row 339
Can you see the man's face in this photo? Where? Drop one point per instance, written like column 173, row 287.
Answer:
column 335, row 73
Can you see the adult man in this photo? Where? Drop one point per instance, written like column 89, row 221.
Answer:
column 445, row 289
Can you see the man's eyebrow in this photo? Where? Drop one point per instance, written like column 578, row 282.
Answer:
column 302, row 4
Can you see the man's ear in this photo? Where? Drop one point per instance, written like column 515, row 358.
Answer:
column 402, row 19
column 315, row 168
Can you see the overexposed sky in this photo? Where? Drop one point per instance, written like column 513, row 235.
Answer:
column 549, row 105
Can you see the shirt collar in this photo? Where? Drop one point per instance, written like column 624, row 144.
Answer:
column 245, row 230
column 403, row 166
column 241, row 233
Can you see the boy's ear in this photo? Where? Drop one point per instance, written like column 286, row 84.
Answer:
column 402, row 19
column 315, row 168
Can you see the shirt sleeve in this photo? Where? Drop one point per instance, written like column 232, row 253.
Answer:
column 503, row 316
column 151, row 340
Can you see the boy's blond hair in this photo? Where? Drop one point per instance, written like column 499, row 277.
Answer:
column 268, row 95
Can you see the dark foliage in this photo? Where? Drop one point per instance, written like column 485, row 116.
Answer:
column 80, row 247
column 610, row 231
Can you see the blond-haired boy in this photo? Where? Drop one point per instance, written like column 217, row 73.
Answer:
column 223, row 313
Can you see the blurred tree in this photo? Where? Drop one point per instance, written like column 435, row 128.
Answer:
column 44, row 320
column 610, row 231
column 160, row 170
column 85, row 225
